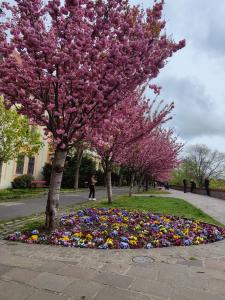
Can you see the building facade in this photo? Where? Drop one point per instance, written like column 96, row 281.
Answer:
column 24, row 165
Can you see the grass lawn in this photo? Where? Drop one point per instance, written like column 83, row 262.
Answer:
column 9, row 195
column 167, row 206
column 154, row 191
column 12, row 194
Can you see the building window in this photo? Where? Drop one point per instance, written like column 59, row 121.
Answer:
column 20, row 164
column 31, row 163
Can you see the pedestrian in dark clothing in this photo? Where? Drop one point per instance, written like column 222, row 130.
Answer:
column 185, row 185
column 207, row 186
column 166, row 185
column 92, row 187
column 193, row 186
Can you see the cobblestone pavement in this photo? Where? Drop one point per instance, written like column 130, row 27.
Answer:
column 34, row 272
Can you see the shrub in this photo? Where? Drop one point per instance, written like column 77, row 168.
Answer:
column 47, row 169
column 100, row 178
column 22, row 182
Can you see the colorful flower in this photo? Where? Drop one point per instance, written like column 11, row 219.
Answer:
column 114, row 228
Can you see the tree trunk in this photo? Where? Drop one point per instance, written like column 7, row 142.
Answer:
column 109, row 184
column 147, row 184
column 107, row 167
column 77, row 167
column 140, row 183
column 131, row 184
column 54, row 188
column 121, row 180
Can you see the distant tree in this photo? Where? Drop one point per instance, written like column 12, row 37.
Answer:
column 183, row 171
column 199, row 163
column 16, row 136
column 204, row 162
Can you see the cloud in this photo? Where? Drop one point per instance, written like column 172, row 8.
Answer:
column 195, row 113
column 201, row 22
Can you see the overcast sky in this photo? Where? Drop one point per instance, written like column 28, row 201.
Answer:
column 195, row 76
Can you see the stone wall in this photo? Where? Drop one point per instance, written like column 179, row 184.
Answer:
column 220, row 194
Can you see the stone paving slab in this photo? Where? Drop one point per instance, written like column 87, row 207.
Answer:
column 53, row 273
column 52, row 282
column 112, row 293
column 14, row 291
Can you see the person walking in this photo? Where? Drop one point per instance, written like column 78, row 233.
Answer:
column 92, row 187
column 193, row 185
column 185, row 185
column 207, row 186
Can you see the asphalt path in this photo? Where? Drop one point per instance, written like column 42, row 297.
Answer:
column 27, row 207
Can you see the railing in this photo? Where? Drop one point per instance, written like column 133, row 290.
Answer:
column 216, row 193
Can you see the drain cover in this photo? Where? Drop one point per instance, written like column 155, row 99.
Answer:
column 142, row 259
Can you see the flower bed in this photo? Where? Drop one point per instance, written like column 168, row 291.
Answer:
column 121, row 229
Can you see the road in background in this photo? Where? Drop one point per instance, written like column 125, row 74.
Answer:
column 27, row 207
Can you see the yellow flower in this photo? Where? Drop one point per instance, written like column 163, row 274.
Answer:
column 133, row 242
column 133, row 237
column 109, row 241
column 89, row 236
column 137, row 227
column 186, row 231
column 34, row 237
column 78, row 234
column 65, row 238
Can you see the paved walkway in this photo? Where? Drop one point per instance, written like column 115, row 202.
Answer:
column 37, row 272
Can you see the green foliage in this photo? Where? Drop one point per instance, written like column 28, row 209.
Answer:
column 46, row 172
column 184, row 171
column 16, row 136
column 8, row 195
column 87, row 168
column 22, row 182
column 125, row 175
column 217, row 184
column 100, row 178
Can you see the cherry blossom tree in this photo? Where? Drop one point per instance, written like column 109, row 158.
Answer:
column 154, row 156
column 126, row 124
column 65, row 64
